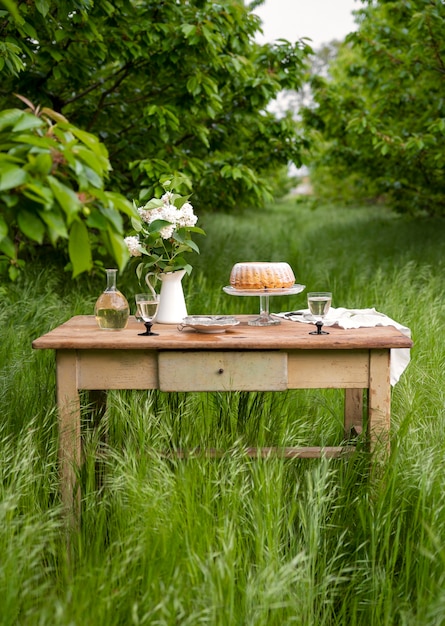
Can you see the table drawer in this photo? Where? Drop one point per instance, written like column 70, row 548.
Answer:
column 222, row 371
column 117, row 369
column 334, row 369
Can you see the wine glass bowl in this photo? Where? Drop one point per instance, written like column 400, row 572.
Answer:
column 146, row 308
column 319, row 303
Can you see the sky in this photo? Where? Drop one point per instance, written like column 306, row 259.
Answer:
column 321, row 20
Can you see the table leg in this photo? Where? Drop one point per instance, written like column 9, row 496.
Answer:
column 379, row 401
column 68, row 402
column 353, row 419
column 98, row 405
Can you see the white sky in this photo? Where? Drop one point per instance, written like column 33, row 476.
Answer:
column 321, row 20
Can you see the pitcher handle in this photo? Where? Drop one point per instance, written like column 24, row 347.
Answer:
column 151, row 284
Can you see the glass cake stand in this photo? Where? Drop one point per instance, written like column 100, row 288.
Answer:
column 265, row 318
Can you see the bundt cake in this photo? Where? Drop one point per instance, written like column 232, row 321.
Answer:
column 261, row 275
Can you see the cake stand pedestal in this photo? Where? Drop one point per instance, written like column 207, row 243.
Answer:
column 265, row 318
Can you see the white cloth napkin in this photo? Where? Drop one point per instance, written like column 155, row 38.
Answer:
column 361, row 318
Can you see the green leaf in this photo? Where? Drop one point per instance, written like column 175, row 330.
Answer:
column 194, row 85
column 10, row 200
column 156, row 225
column 3, row 228
column 139, row 270
column 97, row 220
column 11, row 176
column 92, row 178
column 12, row 8
column 91, row 141
column 137, row 224
column 55, row 224
column 39, row 193
column 47, row 143
column 98, row 163
column 40, row 164
column 154, row 203
column 57, row 56
column 66, row 197
column 27, row 121
column 119, row 249
column 30, row 30
column 31, row 226
column 114, row 219
column 196, row 229
column 56, row 117
column 9, row 159
column 7, row 247
column 13, row 272
column 120, row 203
column 42, row 6
column 9, row 117
column 189, row 30
column 11, row 56
column 193, row 246
column 79, row 248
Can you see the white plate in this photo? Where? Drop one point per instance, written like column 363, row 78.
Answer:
column 287, row 291
column 209, row 323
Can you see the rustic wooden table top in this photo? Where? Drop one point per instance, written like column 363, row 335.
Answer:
column 82, row 333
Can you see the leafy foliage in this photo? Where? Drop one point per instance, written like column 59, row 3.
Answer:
column 52, row 187
column 379, row 118
column 167, row 86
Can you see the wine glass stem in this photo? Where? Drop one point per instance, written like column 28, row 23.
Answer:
column 148, row 330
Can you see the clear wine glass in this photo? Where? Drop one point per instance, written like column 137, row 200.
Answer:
column 319, row 303
column 146, row 308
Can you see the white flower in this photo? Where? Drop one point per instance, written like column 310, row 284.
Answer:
column 145, row 214
column 133, row 245
column 186, row 215
column 167, row 197
column 177, row 218
column 169, row 213
column 167, row 231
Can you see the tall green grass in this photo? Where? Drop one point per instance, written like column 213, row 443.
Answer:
column 233, row 541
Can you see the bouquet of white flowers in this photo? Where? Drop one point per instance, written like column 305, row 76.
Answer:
column 163, row 232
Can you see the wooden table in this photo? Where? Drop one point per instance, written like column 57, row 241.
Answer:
column 245, row 358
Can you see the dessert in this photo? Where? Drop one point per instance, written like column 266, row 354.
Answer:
column 261, row 275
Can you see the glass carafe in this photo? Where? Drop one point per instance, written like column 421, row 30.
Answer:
column 112, row 309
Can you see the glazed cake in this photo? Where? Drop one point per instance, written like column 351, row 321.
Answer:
column 261, row 275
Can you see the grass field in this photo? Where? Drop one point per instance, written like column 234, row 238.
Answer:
column 233, row 541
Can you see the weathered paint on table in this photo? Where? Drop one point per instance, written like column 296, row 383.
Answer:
column 244, row 358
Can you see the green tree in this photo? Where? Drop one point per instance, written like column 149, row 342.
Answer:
column 167, row 86
column 378, row 122
column 52, row 177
